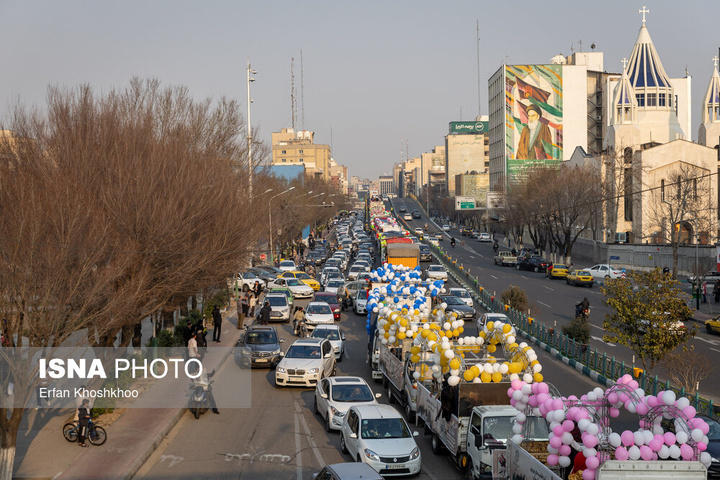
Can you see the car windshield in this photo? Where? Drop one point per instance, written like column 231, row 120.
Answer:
column 559, row 265
column 584, row 273
column 436, row 268
column 277, row 300
column 374, row 428
column 303, row 351
column 356, row 268
column 287, row 263
column 303, row 276
column 261, row 338
column 294, row 282
column 451, row 300
column 332, row 298
column 362, row 295
column 323, row 309
column 335, row 283
column 460, row 293
column 329, row 333
column 250, row 275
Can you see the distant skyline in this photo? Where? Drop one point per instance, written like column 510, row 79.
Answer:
column 375, row 73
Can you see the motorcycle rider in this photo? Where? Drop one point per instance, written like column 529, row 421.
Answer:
column 298, row 320
column 426, row 227
column 582, row 308
column 452, row 242
column 496, row 246
column 204, row 381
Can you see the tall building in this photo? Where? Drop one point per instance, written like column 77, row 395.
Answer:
column 298, row 148
column 709, row 134
column 467, row 149
column 386, row 185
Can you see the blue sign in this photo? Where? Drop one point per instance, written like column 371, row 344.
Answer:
column 614, row 257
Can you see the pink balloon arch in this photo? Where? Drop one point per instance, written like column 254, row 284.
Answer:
column 583, row 424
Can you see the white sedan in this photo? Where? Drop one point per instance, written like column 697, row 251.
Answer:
column 306, row 362
column 287, row 266
column 463, row 295
column 379, row 436
column 436, row 272
column 318, row 313
column 603, row 271
column 298, row 288
column 335, row 395
column 446, row 228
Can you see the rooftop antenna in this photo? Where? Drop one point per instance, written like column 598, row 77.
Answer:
column 477, row 45
column 302, row 93
column 580, row 42
column 293, row 115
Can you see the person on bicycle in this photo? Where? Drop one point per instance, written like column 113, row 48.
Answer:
column 83, row 420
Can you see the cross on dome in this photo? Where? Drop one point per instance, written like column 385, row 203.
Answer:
column 643, row 12
column 624, row 62
column 715, row 61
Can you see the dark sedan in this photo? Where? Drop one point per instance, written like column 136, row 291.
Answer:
column 259, row 347
column 332, row 300
column 455, row 304
column 534, row 264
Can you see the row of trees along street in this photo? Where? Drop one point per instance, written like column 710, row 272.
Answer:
column 118, row 206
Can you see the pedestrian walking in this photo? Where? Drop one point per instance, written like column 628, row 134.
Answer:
column 83, row 420
column 187, row 332
column 192, row 348
column 716, row 291
column 217, row 323
column 666, row 270
column 704, row 292
column 265, row 313
column 252, row 303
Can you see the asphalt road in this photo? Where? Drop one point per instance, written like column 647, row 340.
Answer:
column 555, row 300
column 279, row 437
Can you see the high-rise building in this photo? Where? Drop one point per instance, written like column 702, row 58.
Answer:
column 467, row 149
column 298, row 148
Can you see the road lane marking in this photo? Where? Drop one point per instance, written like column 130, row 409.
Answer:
column 551, row 289
column 494, row 276
column 603, row 341
column 298, row 448
column 316, row 451
column 711, row 342
column 541, row 303
column 715, row 349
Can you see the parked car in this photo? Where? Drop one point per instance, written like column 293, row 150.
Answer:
column 280, row 306
column 246, row 280
column 283, row 291
column 557, row 270
column 484, row 237
column 407, row 217
column 336, row 336
column 604, row 272
column 710, row 276
column 579, row 278
column 713, row 325
column 491, row 317
column 463, row 295
column 259, row 347
column 335, row 395
column 287, row 266
column 505, row 258
column 535, row 264
column 457, row 305
column 379, row 436
column 306, row 362
column 332, row 300
column 446, row 228
column 318, row 313
column 436, row 272
column 298, row 288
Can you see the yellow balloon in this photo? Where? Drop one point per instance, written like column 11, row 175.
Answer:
column 506, row 328
column 387, row 335
column 468, row 375
column 491, row 348
column 490, row 326
column 425, row 333
column 423, row 368
column 415, row 349
column 485, row 377
column 404, row 323
column 475, row 348
column 455, row 364
column 461, row 329
column 538, row 377
column 456, row 333
column 414, row 358
column 497, row 377
column 515, row 367
column 475, row 369
column 491, row 360
column 401, row 335
column 481, row 334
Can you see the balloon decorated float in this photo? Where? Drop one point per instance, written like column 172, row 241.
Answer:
column 583, row 424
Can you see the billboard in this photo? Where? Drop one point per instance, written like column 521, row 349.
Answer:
column 533, row 117
column 464, row 203
column 469, row 127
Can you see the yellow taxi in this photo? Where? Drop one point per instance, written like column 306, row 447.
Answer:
column 558, row 270
column 303, row 277
column 580, row 278
column 713, row 325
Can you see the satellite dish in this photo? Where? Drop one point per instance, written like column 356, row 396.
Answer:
column 592, row 46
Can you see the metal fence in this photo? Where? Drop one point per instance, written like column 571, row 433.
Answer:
column 591, row 359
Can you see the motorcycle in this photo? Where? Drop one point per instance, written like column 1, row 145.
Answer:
column 495, row 247
column 452, row 242
column 200, row 397
column 583, row 314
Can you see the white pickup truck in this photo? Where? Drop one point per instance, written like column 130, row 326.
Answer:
column 505, row 258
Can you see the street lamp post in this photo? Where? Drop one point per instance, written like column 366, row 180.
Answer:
column 250, row 71
column 272, row 258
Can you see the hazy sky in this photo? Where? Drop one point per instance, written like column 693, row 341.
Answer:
column 375, row 72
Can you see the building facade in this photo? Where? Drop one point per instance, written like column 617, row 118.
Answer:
column 467, row 149
column 298, row 148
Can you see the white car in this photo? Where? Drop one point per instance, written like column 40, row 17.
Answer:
column 360, row 302
column 335, row 395
column 491, row 317
column 463, row 295
column 298, row 288
column 407, row 217
column 363, row 263
column 436, row 272
column 280, row 307
column 246, row 280
column 336, row 336
column 603, row 271
column 354, row 271
column 318, row 313
column 334, row 285
column 419, row 230
column 379, row 436
column 325, row 273
column 287, row 266
column 306, row 362
column 446, row 228
column 484, row 237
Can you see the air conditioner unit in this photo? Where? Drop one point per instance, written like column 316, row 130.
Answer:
column 621, row 237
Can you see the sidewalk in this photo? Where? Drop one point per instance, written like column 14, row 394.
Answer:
column 43, row 453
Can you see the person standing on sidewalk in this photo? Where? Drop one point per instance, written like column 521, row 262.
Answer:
column 192, row 351
column 716, row 291
column 83, row 420
column 217, row 323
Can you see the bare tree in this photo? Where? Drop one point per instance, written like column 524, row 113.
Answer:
column 688, row 368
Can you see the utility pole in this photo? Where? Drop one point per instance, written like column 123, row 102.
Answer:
column 250, row 71
column 477, row 44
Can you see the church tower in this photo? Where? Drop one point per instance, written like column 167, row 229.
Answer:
column 709, row 134
column 651, row 115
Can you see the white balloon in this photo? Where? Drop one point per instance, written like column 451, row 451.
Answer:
column 681, row 437
column 526, row 389
column 416, row 375
column 664, row 452
column 614, row 439
column 593, row 429
column 697, row 435
column 634, row 452
column 517, row 439
column 520, row 417
column 517, row 428
column 453, row 380
column 683, row 402
column 706, row 459
column 564, row 461
column 674, row 451
column 647, row 436
column 537, row 368
column 668, row 398
column 527, row 378
column 583, row 424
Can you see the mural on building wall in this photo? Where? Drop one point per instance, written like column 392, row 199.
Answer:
column 533, row 117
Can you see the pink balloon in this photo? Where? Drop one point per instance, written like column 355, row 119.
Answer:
column 669, row 438
column 655, row 444
column 542, row 398
column 652, row 401
column 633, row 384
column 614, row 412
column 558, row 430
column 543, row 388
column 613, row 398
column 555, row 442
column 702, row 446
column 689, row 411
column 564, row 450
column 516, row 384
column 627, row 438
column 592, row 463
column 552, row 460
column 625, row 378
column 590, row 441
column 588, row 474
column 513, row 402
column 557, row 404
column 642, row 409
column 620, row 453
column 510, row 392
column 686, row 451
column 568, row 425
column 645, row 452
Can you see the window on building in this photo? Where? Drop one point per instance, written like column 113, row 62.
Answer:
column 695, row 197
column 661, row 99
column 627, row 155
column 652, row 100
column 284, row 160
column 301, row 152
column 301, row 160
column 662, row 190
column 640, row 98
column 627, row 200
column 284, row 152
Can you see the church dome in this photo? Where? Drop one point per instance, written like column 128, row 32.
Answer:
column 647, row 76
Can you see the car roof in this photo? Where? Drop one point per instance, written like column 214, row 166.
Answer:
column 317, row 303
column 354, row 471
column 327, row 327
column 377, row 411
column 309, row 341
column 269, row 328
column 496, row 315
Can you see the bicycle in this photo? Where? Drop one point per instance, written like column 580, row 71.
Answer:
column 96, row 434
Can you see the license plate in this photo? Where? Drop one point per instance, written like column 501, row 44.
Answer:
column 395, row 466
column 295, row 377
column 260, row 360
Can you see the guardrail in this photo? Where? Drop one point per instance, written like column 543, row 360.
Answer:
column 607, row 369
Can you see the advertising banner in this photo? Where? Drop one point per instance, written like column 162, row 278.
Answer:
column 533, row 117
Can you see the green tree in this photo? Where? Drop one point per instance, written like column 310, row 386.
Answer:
column 647, row 308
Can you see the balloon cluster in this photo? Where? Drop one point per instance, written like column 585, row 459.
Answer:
column 576, row 423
